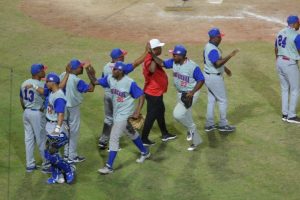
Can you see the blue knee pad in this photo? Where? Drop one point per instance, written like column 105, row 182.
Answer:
column 57, row 161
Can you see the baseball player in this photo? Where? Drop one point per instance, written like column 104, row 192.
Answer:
column 124, row 91
column 75, row 87
column 188, row 79
column 287, row 52
column 33, row 116
column 55, row 128
column 214, row 67
column 116, row 55
column 156, row 84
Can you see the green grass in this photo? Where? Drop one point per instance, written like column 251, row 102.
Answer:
column 259, row 161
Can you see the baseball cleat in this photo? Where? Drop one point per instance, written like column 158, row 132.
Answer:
column 148, row 143
column 210, row 128
column 192, row 147
column 105, row 170
column 102, row 145
column 295, row 120
column 284, row 118
column 77, row 159
column 167, row 137
column 143, row 157
column 31, row 169
column 189, row 135
column 227, row 128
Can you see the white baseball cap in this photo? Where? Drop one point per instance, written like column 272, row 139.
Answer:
column 155, row 43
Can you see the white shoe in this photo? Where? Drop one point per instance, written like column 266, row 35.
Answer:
column 60, row 179
column 192, row 147
column 143, row 157
column 105, row 170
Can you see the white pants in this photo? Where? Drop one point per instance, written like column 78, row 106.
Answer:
column 184, row 116
column 216, row 92
column 288, row 72
column 34, row 128
column 117, row 131
column 74, row 124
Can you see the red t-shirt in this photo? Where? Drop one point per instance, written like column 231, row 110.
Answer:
column 155, row 83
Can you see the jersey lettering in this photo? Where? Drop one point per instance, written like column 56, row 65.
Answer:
column 28, row 95
column 281, row 41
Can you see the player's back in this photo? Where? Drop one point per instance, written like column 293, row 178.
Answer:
column 31, row 98
column 285, row 43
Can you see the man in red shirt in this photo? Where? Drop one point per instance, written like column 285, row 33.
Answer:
column 156, row 84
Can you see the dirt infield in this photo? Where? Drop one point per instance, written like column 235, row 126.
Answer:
column 140, row 20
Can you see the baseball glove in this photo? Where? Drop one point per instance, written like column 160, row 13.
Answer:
column 137, row 123
column 187, row 102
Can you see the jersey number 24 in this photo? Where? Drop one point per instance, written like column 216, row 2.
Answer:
column 281, row 41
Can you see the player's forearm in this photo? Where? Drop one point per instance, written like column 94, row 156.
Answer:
column 197, row 87
column 140, row 59
column 222, row 61
column 157, row 60
column 140, row 103
column 60, row 119
column 63, row 83
column 91, row 87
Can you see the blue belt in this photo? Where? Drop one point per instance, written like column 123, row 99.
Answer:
column 218, row 74
column 33, row 109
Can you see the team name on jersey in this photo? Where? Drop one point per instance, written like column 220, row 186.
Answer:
column 181, row 77
column 118, row 92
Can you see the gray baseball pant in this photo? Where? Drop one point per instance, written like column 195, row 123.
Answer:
column 74, row 125
column 288, row 72
column 34, row 131
column 184, row 116
column 108, row 120
column 216, row 93
column 117, row 131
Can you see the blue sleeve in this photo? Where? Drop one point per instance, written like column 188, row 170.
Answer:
column 21, row 95
column 213, row 56
column 82, row 86
column 60, row 105
column 128, row 68
column 197, row 75
column 297, row 42
column 135, row 91
column 103, row 82
column 169, row 63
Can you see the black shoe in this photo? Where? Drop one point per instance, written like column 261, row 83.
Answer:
column 227, row 128
column 148, row 143
column 294, row 120
column 102, row 145
column 284, row 118
column 167, row 137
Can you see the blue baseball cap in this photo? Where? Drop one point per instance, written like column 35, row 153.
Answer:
column 53, row 77
column 120, row 66
column 178, row 50
column 116, row 53
column 74, row 64
column 292, row 19
column 215, row 32
column 36, row 68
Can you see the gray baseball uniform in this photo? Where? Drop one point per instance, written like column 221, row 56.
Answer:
column 288, row 42
column 185, row 78
column 123, row 106
column 214, row 82
column 34, row 120
column 74, row 89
